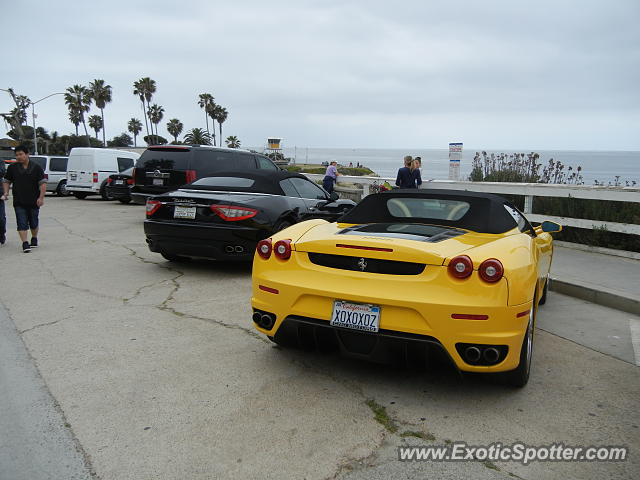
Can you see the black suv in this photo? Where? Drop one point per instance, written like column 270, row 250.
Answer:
column 161, row 169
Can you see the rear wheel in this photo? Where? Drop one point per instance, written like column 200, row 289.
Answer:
column 543, row 298
column 520, row 376
column 104, row 193
column 174, row 258
column 80, row 195
column 62, row 191
column 281, row 225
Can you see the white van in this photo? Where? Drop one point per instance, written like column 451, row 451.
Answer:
column 89, row 169
column 55, row 172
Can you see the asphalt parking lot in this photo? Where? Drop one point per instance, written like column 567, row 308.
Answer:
column 153, row 370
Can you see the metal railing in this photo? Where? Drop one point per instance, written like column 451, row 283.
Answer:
column 365, row 185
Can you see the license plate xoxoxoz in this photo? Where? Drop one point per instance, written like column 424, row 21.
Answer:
column 356, row 316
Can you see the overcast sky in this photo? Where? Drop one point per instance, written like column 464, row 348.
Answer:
column 382, row 74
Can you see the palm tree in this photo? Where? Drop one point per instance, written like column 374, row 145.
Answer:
column 197, row 136
column 135, row 127
column 75, row 119
column 206, row 102
column 78, row 99
column 101, row 95
column 211, row 111
column 145, row 88
column 221, row 116
column 156, row 113
column 174, row 127
column 95, row 123
column 233, row 142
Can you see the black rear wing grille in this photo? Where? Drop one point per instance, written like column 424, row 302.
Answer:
column 369, row 265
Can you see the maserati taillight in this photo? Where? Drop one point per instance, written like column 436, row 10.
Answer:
column 233, row 213
column 152, row 207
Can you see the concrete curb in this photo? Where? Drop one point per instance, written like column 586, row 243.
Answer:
column 606, row 299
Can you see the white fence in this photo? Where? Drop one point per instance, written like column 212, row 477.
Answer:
column 529, row 190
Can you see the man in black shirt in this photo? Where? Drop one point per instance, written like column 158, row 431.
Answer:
column 3, row 217
column 29, row 187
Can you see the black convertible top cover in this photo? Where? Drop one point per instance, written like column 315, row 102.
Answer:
column 486, row 214
column 263, row 181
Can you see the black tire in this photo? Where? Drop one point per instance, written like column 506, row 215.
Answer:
column 62, row 191
column 125, row 200
column 543, row 298
column 103, row 192
column 80, row 195
column 281, row 225
column 520, row 376
column 174, row 258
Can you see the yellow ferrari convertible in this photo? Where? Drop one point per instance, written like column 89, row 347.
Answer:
column 406, row 272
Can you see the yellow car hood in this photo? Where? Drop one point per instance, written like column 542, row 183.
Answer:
column 325, row 238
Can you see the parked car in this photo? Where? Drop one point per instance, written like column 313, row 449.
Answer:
column 225, row 216
column 55, row 172
column 161, row 169
column 119, row 186
column 89, row 168
column 409, row 272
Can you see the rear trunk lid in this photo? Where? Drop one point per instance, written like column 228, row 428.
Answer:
column 401, row 242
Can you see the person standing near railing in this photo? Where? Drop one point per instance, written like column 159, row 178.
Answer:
column 405, row 177
column 330, row 177
column 415, row 172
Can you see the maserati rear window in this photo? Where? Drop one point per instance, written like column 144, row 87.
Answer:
column 224, row 182
column 435, row 208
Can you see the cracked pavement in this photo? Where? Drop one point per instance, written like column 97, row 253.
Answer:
column 160, row 374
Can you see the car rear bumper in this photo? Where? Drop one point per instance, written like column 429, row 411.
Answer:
column 214, row 242
column 418, row 305
column 119, row 192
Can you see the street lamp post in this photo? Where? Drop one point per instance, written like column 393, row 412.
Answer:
column 33, row 116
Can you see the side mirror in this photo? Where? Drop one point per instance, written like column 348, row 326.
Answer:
column 551, row 227
column 334, row 196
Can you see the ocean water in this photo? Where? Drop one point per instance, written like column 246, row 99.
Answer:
column 596, row 165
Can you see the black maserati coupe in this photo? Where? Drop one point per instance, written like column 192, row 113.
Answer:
column 224, row 217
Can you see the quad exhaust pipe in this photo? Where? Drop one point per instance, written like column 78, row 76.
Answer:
column 490, row 355
column 234, row 249
column 481, row 354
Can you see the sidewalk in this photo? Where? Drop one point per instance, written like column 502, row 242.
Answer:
column 607, row 280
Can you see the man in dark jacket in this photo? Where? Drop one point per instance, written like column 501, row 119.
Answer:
column 3, row 216
column 29, row 187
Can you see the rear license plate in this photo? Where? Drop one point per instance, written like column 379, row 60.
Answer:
column 184, row 212
column 118, row 182
column 356, row 316
column 158, row 181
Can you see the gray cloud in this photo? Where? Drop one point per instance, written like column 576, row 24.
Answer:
column 411, row 73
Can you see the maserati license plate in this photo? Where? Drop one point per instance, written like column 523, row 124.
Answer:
column 184, row 212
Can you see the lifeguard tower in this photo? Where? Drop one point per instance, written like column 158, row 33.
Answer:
column 274, row 151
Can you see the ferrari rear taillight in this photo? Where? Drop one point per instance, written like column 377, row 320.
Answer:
column 190, row 176
column 233, row 213
column 460, row 266
column 264, row 248
column 152, row 207
column 491, row 270
column 282, row 249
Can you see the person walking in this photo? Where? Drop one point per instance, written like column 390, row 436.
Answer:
column 330, row 177
column 29, row 187
column 3, row 216
column 405, row 177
